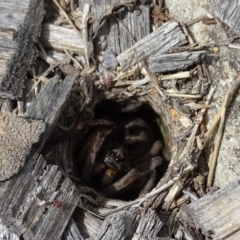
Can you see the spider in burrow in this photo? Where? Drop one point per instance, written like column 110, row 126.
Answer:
column 121, row 152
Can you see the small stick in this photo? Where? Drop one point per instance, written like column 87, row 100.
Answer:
column 175, row 76
column 73, row 59
column 126, row 74
column 67, row 17
column 220, row 115
column 86, row 10
column 154, row 80
column 228, row 98
column 139, row 201
column 20, row 107
column 189, row 37
column 203, row 19
column 206, row 72
column 184, row 95
column 40, row 77
column 226, row 103
column 213, row 162
column 195, row 129
column 48, row 59
column 234, row 45
column 43, row 54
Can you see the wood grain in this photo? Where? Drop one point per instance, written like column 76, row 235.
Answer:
column 154, row 44
column 217, row 213
column 20, row 27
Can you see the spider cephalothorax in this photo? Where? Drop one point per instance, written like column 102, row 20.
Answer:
column 117, row 158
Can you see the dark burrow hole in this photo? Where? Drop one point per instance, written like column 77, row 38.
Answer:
column 121, row 153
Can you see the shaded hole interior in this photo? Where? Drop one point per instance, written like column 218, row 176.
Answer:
column 132, row 120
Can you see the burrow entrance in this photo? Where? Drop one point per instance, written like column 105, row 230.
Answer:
column 119, row 151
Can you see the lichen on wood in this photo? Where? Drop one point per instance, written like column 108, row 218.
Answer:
column 20, row 27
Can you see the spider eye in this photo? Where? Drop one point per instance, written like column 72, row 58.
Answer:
column 112, row 154
column 116, row 158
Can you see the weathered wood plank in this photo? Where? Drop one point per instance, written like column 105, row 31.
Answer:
column 175, row 61
column 21, row 196
column 121, row 29
column 20, row 26
column 156, row 43
column 61, row 38
column 72, row 232
column 121, row 225
column 38, row 202
column 217, row 213
column 228, row 12
column 6, row 235
column 88, row 224
column 49, row 103
column 17, row 137
column 149, row 226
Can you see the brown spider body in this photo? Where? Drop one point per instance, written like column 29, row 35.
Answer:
column 119, row 156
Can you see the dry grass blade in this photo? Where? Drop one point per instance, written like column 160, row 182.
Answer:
column 195, row 129
column 86, row 11
column 227, row 100
column 154, row 79
column 73, row 59
column 67, row 17
column 213, row 161
column 43, row 54
column 181, row 95
column 175, row 76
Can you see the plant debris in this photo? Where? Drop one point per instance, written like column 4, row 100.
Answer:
column 131, row 132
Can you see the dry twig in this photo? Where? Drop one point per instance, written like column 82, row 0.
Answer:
column 86, row 10
column 67, row 17
column 195, row 128
column 220, row 115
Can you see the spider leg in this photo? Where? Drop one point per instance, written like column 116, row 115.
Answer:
column 130, row 177
column 95, row 123
column 155, row 149
column 151, row 165
column 149, row 184
column 133, row 175
column 146, row 180
column 91, row 158
column 108, row 177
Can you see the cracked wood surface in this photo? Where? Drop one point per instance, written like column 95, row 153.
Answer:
column 154, row 44
column 217, row 213
column 70, row 40
column 121, row 29
column 175, row 61
column 29, row 200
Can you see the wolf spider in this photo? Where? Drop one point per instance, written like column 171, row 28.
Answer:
column 121, row 152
